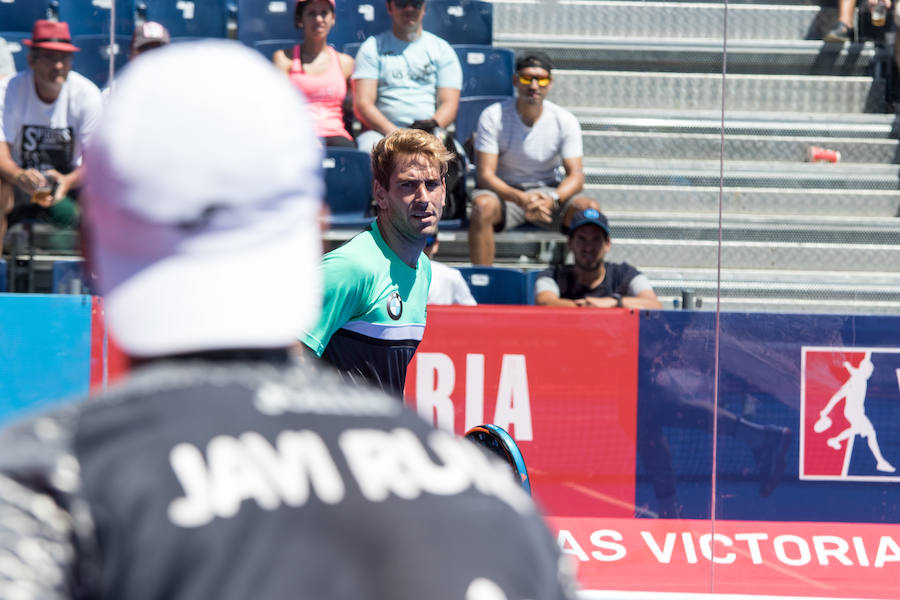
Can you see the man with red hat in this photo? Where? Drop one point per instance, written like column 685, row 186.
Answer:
column 46, row 114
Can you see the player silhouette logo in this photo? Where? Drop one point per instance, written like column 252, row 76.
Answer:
column 853, row 393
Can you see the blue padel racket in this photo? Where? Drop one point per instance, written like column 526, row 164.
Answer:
column 502, row 444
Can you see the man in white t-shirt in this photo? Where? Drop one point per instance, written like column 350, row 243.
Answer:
column 405, row 77
column 520, row 144
column 46, row 114
column 447, row 284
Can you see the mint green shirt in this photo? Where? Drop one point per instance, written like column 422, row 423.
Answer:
column 373, row 310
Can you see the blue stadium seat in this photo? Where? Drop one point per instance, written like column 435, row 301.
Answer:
column 194, row 19
column 93, row 59
column 258, row 20
column 68, row 277
column 3, row 287
column 16, row 47
column 460, row 21
column 268, row 47
column 495, row 285
column 468, row 113
column 348, row 186
column 20, row 15
column 352, row 48
column 90, row 17
column 487, row 70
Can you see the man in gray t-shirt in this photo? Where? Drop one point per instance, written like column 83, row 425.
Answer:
column 520, row 144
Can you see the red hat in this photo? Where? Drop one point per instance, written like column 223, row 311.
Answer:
column 51, row 35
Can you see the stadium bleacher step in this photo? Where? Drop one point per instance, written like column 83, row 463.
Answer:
column 516, row 19
column 703, row 91
column 631, row 200
column 866, row 125
column 758, row 174
column 799, row 57
column 633, row 144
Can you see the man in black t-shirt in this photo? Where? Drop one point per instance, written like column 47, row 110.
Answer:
column 222, row 467
column 591, row 281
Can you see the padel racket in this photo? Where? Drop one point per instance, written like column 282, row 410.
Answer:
column 502, row 444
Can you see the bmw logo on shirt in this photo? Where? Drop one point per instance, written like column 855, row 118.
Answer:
column 394, row 306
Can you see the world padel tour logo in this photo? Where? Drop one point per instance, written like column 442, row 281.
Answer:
column 850, row 414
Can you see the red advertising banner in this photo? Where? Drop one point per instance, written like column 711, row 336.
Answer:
column 565, row 387
column 824, row 560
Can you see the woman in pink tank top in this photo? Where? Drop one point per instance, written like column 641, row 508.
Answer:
column 318, row 70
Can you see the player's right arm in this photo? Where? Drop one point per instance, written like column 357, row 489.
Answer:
column 344, row 285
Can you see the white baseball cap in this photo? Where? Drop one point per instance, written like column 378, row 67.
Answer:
column 202, row 194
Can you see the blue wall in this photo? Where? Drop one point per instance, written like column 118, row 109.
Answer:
column 45, row 350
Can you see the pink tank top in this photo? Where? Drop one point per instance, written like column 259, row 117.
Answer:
column 324, row 92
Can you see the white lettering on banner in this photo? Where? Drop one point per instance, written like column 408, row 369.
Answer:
column 474, row 390
column 513, row 411
column 706, row 541
column 436, row 379
column 663, row 555
column 598, row 540
column 569, row 545
column 887, row 544
column 754, row 547
column 801, row 549
column 753, row 540
column 860, row 551
column 831, row 545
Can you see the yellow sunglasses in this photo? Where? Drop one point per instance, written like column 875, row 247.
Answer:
column 541, row 81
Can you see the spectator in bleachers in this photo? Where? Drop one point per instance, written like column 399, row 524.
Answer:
column 842, row 31
column 376, row 285
column 147, row 36
column 591, row 281
column 7, row 63
column 520, row 144
column 47, row 112
column 318, row 70
column 405, row 77
column 447, row 284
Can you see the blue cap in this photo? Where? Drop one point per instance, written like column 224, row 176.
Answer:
column 589, row 216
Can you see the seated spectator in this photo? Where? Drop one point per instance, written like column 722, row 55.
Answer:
column 447, row 283
column 7, row 64
column 405, row 77
column 591, row 281
column 46, row 114
column 520, row 143
column 318, row 70
column 843, row 29
column 148, row 35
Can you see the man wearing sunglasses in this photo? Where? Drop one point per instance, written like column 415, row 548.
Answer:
column 405, row 77
column 46, row 114
column 520, row 144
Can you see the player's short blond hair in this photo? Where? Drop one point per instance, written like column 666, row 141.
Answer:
column 407, row 142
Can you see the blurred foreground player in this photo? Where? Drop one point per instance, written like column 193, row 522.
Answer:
column 221, row 468
column 376, row 285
